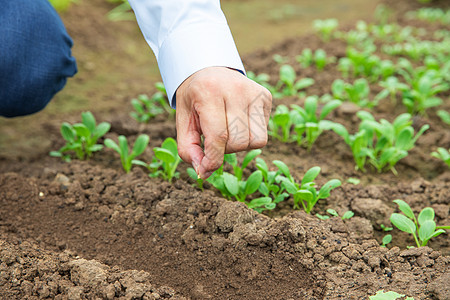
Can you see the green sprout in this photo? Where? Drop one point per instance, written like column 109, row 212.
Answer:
column 358, row 92
column 146, row 108
column 270, row 186
column 442, row 154
column 385, row 228
column 382, row 295
column 319, row 58
column 81, row 138
column 423, row 228
column 287, row 83
column 325, row 28
column 280, row 59
column 347, row 215
column 194, row 176
column 165, row 161
column 382, row 144
column 307, row 125
column 392, row 85
column 305, row 193
column 127, row 158
column 386, row 240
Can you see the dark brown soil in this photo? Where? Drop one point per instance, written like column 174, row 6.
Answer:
column 87, row 230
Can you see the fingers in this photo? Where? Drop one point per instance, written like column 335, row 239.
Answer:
column 229, row 110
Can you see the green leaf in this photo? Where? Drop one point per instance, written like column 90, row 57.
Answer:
column 140, row 144
column 250, row 156
column 171, row 145
column 164, row 155
column 287, row 74
column 88, row 120
column 260, row 202
column 310, row 175
column 101, row 130
column 332, row 212
column 327, row 187
column 405, row 208
column 289, row 186
column 322, row 217
column 387, row 239
column 123, row 145
column 81, row 130
column 304, row 83
column 347, row 215
column 95, row 148
column 304, row 195
column 111, row 144
column 263, row 189
column 329, row 107
column 231, row 183
column 404, row 139
column 67, row 132
column 231, row 159
column 381, row 295
column 426, row 231
column 253, row 182
column 427, row 214
column 55, row 154
column 191, row 173
column 283, row 168
column 403, row 223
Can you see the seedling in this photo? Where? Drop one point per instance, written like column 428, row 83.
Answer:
column 307, row 125
column 382, row 295
column 270, row 186
column 358, row 92
column 146, row 108
column 193, row 174
column 325, row 28
column 423, row 228
column 81, row 138
column 165, row 161
column 319, row 58
column 126, row 157
column 287, row 83
column 353, row 180
column 392, row 85
column 305, row 192
column 385, row 228
column 442, row 154
column 347, row 215
column 280, row 59
column 381, row 143
column 386, row 240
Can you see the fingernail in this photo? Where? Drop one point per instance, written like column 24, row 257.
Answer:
column 206, row 175
column 196, row 168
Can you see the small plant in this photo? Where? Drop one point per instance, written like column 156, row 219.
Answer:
column 165, row 161
column 347, row 215
column 442, row 154
column 270, row 186
column 308, row 126
column 146, row 108
column 385, row 228
column 392, row 85
column 280, row 59
column 305, row 193
column 423, row 228
column 353, row 180
column 127, row 158
column 386, row 240
column 82, row 138
column 358, row 92
column 319, row 58
column 325, row 28
column 287, row 83
column 382, row 144
column 382, row 295
column 282, row 121
column 194, row 176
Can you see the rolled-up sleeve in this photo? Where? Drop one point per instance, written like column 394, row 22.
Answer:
column 186, row 36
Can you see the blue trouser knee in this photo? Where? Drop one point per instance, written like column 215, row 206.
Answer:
column 35, row 56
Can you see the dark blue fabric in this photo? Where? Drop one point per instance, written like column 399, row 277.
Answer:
column 35, row 56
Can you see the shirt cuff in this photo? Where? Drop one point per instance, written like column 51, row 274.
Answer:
column 195, row 47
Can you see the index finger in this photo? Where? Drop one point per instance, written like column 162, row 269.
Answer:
column 213, row 124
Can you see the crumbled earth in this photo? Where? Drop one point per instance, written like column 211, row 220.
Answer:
column 87, row 230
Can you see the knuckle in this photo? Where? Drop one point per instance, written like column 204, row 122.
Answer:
column 258, row 143
column 222, row 137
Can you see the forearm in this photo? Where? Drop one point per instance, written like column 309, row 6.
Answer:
column 186, row 36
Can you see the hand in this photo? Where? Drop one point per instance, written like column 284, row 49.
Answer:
column 228, row 109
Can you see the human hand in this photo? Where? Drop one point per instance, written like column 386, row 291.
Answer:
column 228, row 109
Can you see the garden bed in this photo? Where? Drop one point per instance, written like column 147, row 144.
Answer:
column 85, row 229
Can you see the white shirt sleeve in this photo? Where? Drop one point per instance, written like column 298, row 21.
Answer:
column 186, row 36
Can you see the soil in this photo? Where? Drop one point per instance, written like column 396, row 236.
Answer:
column 87, row 230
